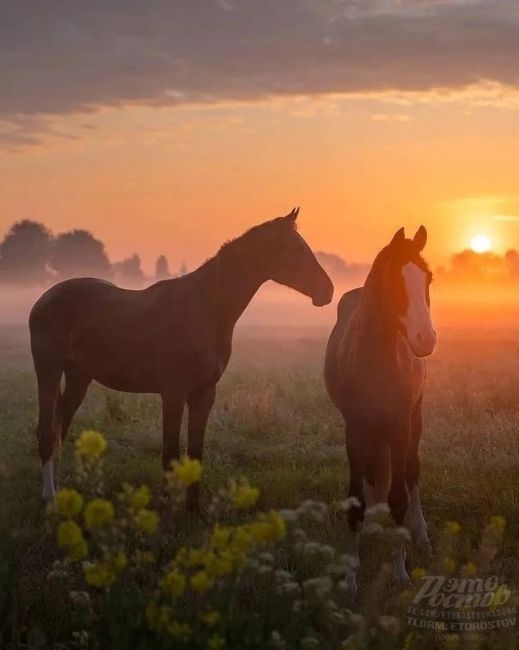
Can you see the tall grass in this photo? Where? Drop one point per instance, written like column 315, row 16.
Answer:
column 273, row 422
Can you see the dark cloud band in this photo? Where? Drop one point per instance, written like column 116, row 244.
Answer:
column 59, row 56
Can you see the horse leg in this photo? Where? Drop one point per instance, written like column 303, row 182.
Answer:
column 357, row 452
column 397, row 498
column 378, row 476
column 48, row 377
column 200, row 404
column 412, row 471
column 76, row 384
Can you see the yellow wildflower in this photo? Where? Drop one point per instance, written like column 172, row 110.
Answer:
column 268, row 528
column 278, row 526
column 412, row 641
column 174, row 583
column 69, row 534
column 452, row 527
column 498, row 522
column 99, row 574
column 220, row 536
column 140, row 497
column 242, row 494
column 69, row 502
column 105, row 572
column 146, row 521
column 417, row 574
column 189, row 558
column 90, row 444
column 469, row 569
column 233, row 559
column 179, row 631
column 194, row 557
column 187, row 471
column 152, row 614
column 217, row 565
column 98, row 512
column 119, row 561
column 201, row 582
column 242, row 538
column 216, row 642
column 448, row 564
column 164, row 615
column 210, row 618
column 78, row 551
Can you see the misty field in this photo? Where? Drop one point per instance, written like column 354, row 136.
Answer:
column 272, row 422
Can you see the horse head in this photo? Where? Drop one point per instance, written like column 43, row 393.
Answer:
column 293, row 263
column 407, row 279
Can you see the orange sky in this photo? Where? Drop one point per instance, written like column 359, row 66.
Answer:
column 170, row 127
column 180, row 181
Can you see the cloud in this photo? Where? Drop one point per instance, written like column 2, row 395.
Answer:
column 506, row 217
column 391, row 117
column 62, row 56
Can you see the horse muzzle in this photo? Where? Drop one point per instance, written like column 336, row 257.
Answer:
column 324, row 296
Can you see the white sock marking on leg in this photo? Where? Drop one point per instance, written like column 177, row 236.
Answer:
column 400, row 574
column 418, row 523
column 48, row 481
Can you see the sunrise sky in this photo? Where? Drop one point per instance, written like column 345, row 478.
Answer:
column 169, row 127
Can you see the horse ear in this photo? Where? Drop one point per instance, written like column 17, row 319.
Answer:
column 420, row 239
column 398, row 237
column 293, row 215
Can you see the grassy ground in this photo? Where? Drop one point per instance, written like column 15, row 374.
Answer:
column 273, row 422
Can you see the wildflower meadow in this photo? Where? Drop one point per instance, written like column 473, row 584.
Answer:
column 117, row 562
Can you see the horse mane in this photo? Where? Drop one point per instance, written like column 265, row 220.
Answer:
column 251, row 234
column 383, row 257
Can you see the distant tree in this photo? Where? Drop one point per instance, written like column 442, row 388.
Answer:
column 78, row 253
column 162, row 271
column 129, row 271
column 339, row 269
column 24, row 252
column 512, row 262
column 469, row 265
column 183, row 269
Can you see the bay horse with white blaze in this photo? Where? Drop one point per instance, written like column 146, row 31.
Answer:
column 375, row 375
column 173, row 338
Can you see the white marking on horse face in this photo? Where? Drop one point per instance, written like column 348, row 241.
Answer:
column 417, row 319
column 48, row 481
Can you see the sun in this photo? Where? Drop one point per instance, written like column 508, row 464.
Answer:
column 480, row 244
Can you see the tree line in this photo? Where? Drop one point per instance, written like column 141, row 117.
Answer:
column 469, row 266
column 31, row 254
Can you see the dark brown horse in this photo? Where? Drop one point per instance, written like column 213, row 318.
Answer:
column 375, row 376
column 173, row 338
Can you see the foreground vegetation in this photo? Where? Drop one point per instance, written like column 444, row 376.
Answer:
column 273, row 423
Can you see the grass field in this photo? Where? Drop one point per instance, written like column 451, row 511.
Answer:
column 274, row 423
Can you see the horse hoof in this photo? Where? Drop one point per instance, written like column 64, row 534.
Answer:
column 401, row 579
column 423, row 544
